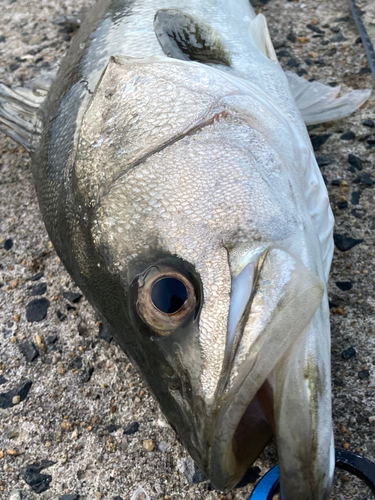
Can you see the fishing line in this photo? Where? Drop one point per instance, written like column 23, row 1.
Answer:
column 369, row 48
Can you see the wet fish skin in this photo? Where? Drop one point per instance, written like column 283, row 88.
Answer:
column 150, row 167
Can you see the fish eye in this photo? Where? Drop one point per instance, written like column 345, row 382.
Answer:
column 166, row 297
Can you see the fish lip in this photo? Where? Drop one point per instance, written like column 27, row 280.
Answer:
column 304, row 291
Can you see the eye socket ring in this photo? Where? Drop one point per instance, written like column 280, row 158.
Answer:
column 164, row 323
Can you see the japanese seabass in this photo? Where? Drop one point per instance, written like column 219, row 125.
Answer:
column 178, row 185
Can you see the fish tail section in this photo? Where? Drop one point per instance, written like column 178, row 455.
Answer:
column 320, row 103
column 19, row 109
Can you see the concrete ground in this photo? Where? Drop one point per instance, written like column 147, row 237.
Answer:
column 84, row 390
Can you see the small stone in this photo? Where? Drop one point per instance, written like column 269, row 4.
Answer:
column 36, row 276
column 348, row 353
column 61, row 369
column 74, row 435
column 301, row 72
column 67, row 426
column 29, row 350
column 315, row 29
column 292, row 38
column 36, row 310
column 367, row 179
column 112, row 428
column 8, row 244
column 2, row 454
column 99, row 495
column 104, row 333
column 37, row 481
column 344, row 285
column 348, row 136
column 346, row 446
column 318, row 140
column 87, row 374
column 118, row 498
column 16, row 399
column 12, row 453
column 342, row 205
column 62, row 317
column 345, row 243
column 371, row 419
column 355, row 161
column 72, row 296
column 364, row 71
column 3, row 380
column 368, row 123
column 337, row 38
column 72, row 496
column 364, row 374
column 323, row 161
column 293, row 63
column 336, row 182
column 355, row 197
column 148, row 445
column 303, row 39
column 39, row 289
column 2, row 39
column 372, row 226
column 163, row 446
column 132, row 428
column 36, row 40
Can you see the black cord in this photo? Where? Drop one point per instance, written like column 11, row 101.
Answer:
column 369, row 48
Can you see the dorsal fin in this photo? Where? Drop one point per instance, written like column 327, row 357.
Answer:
column 259, row 31
column 184, row 37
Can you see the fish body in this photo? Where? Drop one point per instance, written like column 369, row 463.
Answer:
column 178, row 185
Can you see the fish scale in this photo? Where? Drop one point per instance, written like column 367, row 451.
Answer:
column 152, row 170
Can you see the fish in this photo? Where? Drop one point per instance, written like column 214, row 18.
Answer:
column 179, row 188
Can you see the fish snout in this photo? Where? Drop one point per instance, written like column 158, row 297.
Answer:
column 275, row 378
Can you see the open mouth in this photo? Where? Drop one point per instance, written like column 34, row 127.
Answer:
column 247, row 403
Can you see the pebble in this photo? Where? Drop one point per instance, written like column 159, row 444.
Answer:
column 3, row 380
column 148, row 444
column 36, row 276
column 342, row 204
column 86, row 377
column 323, row 161
column 2, row 454
column 104, row 333
column 62, row 317
column 12, row 453
column 39, row 289
column 364, row 374
column 15, row 495
column 344, row 285
column 315, row 29
column 37, row 481
column 368, row 123
column 355, row 161
column 132, row 428
column 367, row 179
column 355, row 197
column 317, row 141
column 61, row 369
column 16, row 399
column 292, row 38
column 72, row 496
column 344, row 242
column 36, row 310
column 6, row 398
column 29, row 350
column 371, row 419
column 337, row 38
column 8, row 244
column 372, row 226
column 348, row 136
column 163, row 446
column 348, row 353
column 67, row 426
column 2, row 39
column 293, row 63
column 73, row 297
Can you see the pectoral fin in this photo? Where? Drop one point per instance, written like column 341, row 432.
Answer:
column 259, row 32
column 319, row 103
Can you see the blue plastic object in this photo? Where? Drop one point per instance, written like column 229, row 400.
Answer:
column 359, row 466
column 267, row 486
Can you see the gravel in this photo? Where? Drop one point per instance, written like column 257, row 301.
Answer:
column 85, row 459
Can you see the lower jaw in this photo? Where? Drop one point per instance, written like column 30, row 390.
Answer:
column 252, row 434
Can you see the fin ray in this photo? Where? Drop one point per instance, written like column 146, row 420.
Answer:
column 319, row 103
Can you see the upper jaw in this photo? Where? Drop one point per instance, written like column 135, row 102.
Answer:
column 245, row 409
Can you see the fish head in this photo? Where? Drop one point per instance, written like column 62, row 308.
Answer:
column 196, row 202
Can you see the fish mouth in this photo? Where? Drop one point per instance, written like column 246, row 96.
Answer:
column 247, row 410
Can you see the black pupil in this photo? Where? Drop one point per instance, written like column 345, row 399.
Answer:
column 169, row 295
